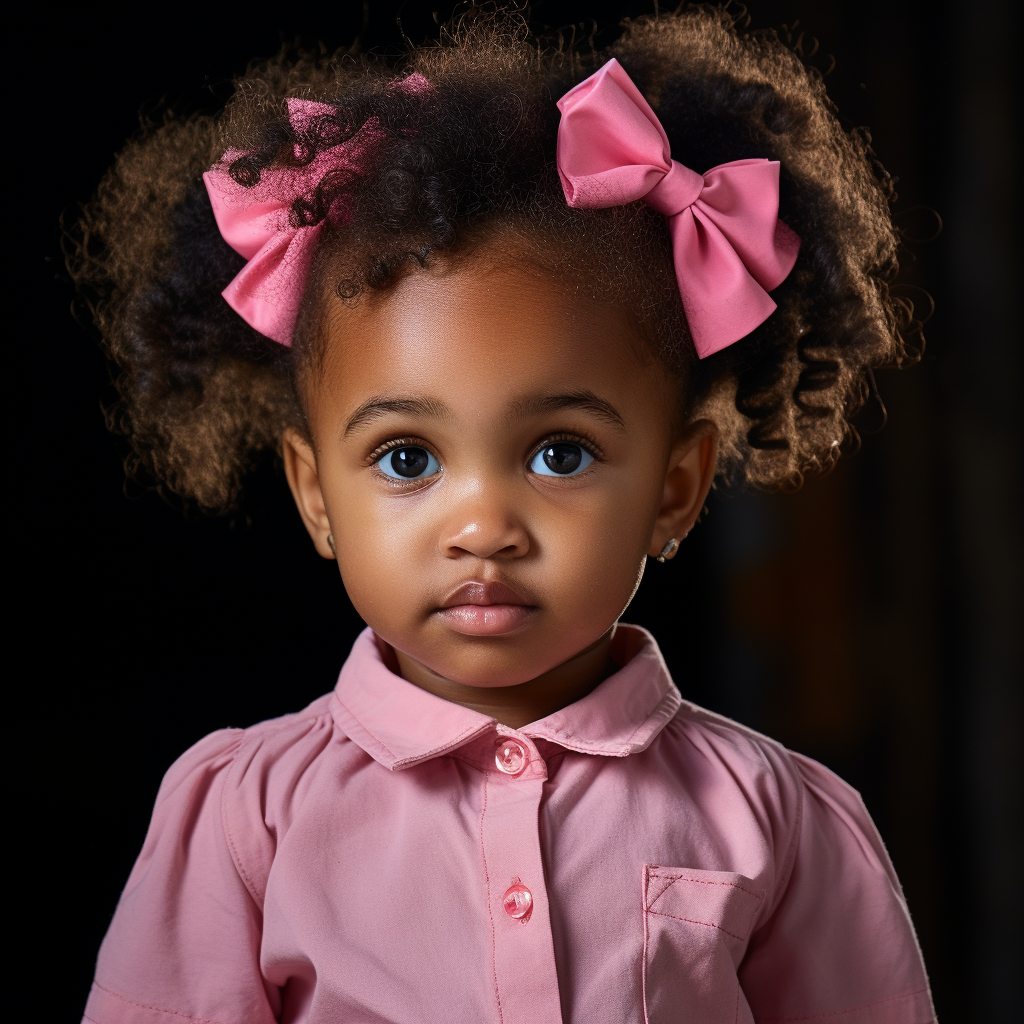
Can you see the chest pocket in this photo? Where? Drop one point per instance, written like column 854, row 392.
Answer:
column 696, row 927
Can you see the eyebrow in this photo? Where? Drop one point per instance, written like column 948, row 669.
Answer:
column 586, row 401
column 381, row 406
column 534, row 405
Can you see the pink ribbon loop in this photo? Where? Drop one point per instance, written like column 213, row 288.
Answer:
column 729, row 246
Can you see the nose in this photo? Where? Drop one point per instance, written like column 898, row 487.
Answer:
column 484, row 523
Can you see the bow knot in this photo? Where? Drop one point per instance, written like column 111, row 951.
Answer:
column 729, row 246
column 677, row 191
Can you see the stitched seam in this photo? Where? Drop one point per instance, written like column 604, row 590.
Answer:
column 707, row 924
column 399, row 763
column 466, row 734
column 701, row 881
column 254, row 891
column 159, row 1009
column 643, row 966
column 787, row 865
column 562, row 740
column 361, row 726
column 850, row 1009
column 620, row 751
column 565, row 739
column 490, row 916
column 657, row 709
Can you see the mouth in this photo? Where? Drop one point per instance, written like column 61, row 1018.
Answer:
column 486, row 609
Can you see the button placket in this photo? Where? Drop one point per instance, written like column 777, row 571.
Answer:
column 524, row 956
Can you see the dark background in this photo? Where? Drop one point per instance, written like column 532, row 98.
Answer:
column 871, row 620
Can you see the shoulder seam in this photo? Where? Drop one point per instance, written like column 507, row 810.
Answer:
column 255, row 734
column 254, row 891
column 782, row 882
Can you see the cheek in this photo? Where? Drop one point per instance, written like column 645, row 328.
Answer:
column 381, row 546
column 597, row 549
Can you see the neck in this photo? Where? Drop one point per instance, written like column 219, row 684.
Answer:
column 516, row 706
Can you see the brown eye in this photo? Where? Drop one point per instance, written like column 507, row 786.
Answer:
column 563, row 458
column 408, row 463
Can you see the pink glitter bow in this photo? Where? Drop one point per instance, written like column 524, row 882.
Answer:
column 729, row 246
column 256, row 223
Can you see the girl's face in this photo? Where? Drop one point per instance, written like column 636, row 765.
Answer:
column 494, row 461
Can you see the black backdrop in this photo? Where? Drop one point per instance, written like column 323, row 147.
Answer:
column 870, row 620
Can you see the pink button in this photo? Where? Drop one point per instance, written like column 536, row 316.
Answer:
column 518, row 902
column 510, row 757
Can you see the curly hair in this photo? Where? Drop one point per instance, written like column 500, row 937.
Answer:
column 203, row 393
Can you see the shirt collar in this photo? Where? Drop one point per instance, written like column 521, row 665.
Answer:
column 400, row 725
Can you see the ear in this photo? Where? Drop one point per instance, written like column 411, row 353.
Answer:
column 304, row 480
column 691, row 470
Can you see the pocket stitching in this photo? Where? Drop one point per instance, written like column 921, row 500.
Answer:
column 702, row 881
column 690, row 920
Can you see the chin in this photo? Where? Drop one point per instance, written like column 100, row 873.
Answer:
column 500, row 662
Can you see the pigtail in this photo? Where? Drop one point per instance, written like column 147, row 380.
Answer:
column 201, row 394
column 783, row 397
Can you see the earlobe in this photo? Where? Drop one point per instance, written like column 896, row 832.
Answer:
column 304, row 480
column 691, row 471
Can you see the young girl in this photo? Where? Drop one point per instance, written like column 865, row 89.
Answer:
column 507, row 313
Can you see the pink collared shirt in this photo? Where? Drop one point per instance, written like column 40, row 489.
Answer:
column 385, row 856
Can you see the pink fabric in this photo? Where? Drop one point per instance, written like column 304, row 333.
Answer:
column 364, row 860
column 256, row 223
column 729, row 246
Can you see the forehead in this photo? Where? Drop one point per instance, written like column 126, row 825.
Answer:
column 479, row 336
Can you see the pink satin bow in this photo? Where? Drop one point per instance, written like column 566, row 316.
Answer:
column 729, row 246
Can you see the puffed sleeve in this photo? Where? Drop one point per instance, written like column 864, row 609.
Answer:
column 838, row 946
column 185, row 939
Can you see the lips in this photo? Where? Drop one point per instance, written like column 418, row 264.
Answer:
column 483, row 594
column 486, row 609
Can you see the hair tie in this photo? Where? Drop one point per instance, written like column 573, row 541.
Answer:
column 729, row 247
column 257, row 221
